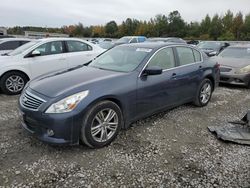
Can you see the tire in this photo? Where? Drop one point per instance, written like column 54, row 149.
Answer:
column 248, row 86
column 204, row 93
column 94, row 124
column 12, row 83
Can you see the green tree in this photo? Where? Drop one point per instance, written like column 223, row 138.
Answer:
column 205, row 25
column 193, row 30
column 246, row 28
column 237, row 25
column 111, row 28
column 216, row 28
column 227, row 21
column 176, row 27
column 161, row 25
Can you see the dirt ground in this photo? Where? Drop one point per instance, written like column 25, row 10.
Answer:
column 171, row 149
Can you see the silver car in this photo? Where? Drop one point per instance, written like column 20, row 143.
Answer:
column 235, row 65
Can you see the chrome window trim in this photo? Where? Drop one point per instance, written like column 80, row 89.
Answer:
column 171, row 46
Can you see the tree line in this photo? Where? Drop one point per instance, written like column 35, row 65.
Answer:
column 229, row 26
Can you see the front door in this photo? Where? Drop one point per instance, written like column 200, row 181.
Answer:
column 155, row 92
column 51, row 59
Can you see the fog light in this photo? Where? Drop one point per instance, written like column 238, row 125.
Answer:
column 50, row 132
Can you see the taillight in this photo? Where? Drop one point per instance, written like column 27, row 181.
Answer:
column 217, row 65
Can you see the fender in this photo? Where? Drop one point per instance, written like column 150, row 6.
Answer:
column 15, row 68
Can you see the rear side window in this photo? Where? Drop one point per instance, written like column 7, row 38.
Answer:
column 50, row 48
column 163, row 59
column 76, row 46
column 185, row 55
column 10, row 45
column 197, row 55
column 134, row 40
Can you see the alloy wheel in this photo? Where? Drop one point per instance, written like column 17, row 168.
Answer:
column 15, row 83
column 104, row 125
column 206, row 92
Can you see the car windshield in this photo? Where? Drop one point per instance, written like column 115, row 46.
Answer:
column 123, row 40
column 121, row 59
column 209, row 45
column 236, row 53
column 22, row 48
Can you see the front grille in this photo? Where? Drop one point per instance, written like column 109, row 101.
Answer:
column 225, row 69
column 30, row 101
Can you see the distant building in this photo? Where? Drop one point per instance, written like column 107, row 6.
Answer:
column 3, row 31
column 37, row 35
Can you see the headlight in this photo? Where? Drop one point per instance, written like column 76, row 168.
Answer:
column 245, row 69
column 212, row 53
column 67, row 104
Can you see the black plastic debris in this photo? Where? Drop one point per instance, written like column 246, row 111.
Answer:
column 236, row 131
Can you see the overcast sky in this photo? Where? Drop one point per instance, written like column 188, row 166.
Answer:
column 56, row 13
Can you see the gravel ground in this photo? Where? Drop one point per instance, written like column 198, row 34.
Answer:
column 171, row 149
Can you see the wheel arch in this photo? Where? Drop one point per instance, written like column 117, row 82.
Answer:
column 16, row 70
column 113, row 99
column 210, row 77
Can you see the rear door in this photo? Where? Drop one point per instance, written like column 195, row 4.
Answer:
column 79, row 53
column 189, row 71
column 52, row 59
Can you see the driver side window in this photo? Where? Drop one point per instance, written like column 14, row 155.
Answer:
column 50, row 48
column 163, row 59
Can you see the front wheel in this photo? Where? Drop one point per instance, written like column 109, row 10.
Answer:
column 101, row 124
column 12, row 83
column 204, row 93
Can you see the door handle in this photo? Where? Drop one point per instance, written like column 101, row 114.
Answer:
column 62, row 59
column 174, row 75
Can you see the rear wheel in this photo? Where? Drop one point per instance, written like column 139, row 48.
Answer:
column 12, row 83
column 204, row 93
column 101, row 124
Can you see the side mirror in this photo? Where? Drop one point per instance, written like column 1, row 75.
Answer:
column 212, row 53
column 35, row 53
column 155, row 70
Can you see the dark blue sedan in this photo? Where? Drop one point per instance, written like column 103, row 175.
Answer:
column 129, row 82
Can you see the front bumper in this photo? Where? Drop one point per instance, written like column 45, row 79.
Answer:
column 59, row 129
column 236, row 79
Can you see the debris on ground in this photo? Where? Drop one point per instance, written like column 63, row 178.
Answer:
column 235, row 131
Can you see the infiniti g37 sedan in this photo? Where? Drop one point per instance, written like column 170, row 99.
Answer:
column 93, row 102
column 40, row 57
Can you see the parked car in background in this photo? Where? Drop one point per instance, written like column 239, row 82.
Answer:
column 212, row 48
column 40, row 57
column 130, row 39
column 9, row 44
column 124, row 84
column 167, row 39
column 106, row 45
column 193, row 42
column 235, row 65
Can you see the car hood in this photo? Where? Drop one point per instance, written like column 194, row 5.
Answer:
column 66, row 81
column 232, row 62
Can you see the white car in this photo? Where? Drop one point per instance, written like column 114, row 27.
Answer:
column 41, row 57
column 9, row 44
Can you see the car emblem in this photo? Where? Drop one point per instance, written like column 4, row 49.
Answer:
column 25, row 99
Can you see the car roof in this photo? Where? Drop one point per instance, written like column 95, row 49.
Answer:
column 58, row 39
column 155, row 45
column 240, row 46
column 15, row 39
